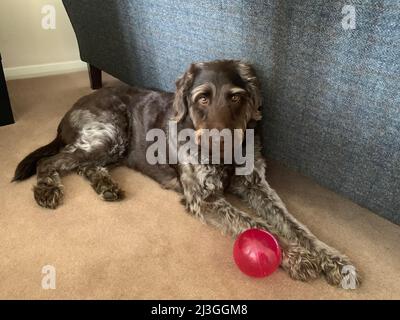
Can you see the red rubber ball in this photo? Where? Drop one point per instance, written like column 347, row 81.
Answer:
column 256, row 252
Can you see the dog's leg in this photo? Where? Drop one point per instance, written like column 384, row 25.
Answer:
column 101, row 181
column 48, row 192
column 203, row 197
column 304, row 255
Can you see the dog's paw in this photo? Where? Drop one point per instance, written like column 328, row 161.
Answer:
column 48, row 195
column 111, row 193
column 172, row 184
column 300, row 263
column 340, row 272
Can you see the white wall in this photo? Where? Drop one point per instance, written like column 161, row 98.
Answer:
column 27, row 49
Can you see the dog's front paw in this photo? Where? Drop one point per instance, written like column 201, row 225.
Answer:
column 111, row 193
column 340, row 272
column 300, row 263
column 48, row 195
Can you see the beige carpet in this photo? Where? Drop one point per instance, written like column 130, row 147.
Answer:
column 147, row 247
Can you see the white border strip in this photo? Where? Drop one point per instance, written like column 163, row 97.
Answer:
column 40, row 70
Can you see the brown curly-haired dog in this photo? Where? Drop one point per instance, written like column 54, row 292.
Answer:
column 109, row 127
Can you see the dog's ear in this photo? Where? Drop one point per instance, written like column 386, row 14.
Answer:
column 183, row 85
column 248, row 75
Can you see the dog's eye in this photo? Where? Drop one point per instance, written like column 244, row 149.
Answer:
column 203, row 100
column 236, row 98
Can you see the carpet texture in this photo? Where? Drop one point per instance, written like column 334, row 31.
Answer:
column 147, row 246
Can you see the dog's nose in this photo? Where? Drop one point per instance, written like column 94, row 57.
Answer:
column 236, row 134
column 213, row 136
column 198, row 134
column 214, row 140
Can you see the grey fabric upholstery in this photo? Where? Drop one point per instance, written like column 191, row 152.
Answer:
column 331, row 96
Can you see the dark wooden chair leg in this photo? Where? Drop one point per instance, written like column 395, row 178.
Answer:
column 95, row 77
column 6, row 115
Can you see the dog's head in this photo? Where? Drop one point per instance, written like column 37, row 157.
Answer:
column 218, row 95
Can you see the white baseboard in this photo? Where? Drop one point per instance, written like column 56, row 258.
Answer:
column 40, row 70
